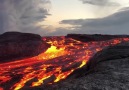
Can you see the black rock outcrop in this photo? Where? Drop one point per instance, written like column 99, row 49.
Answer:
column 94, row 37
column 16, row 45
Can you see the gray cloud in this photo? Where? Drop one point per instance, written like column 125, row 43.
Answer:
column 117, row 23
column 100, row 2
column 73, row 22
column 22, row 15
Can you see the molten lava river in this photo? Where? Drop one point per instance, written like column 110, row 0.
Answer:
column 63, row 57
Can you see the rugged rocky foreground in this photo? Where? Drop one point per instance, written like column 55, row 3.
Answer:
column 16, row 45
column 107, row 70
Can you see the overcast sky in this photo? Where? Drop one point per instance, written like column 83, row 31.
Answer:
column 60, row 17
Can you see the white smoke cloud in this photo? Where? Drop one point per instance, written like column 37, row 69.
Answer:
column 22, row 15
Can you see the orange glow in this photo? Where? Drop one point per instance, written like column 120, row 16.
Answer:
column 63, row 57
column 83, row 63
column 24, row 80
column 63, row 75
column 52, row 52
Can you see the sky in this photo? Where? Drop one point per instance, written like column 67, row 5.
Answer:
column 60, row 17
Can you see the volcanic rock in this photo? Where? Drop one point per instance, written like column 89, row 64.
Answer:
column 106, row 70
column 16, row 45
column 94, row 37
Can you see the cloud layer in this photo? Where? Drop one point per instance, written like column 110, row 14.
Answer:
column 117, row 23
column 100, row 2
column 22, row 15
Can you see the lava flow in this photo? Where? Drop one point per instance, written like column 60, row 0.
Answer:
column 63, row 57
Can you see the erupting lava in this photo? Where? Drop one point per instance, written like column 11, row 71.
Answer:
column 63, row 57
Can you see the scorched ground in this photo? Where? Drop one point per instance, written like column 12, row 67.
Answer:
column 63, row 57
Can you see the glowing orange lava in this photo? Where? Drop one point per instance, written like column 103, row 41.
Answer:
column 63, row 57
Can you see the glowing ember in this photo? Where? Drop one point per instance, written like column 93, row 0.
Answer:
column 52, row 52
column 83, row 63
column 63, row 57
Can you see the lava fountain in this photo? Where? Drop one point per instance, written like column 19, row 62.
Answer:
column 63, row 57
